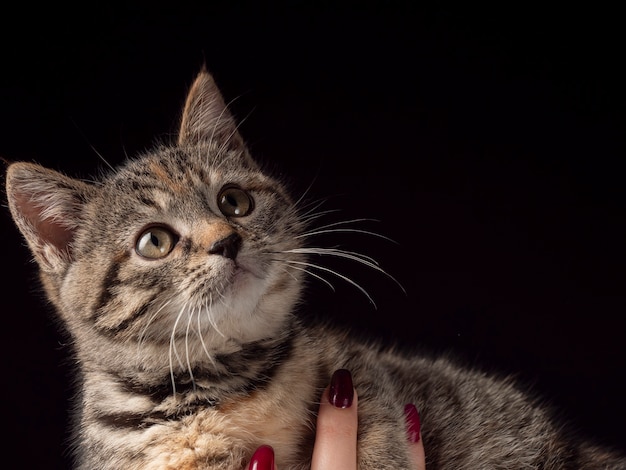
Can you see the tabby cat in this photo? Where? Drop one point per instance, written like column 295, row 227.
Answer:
column 178, row 277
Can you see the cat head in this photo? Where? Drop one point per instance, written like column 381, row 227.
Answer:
column 192, row 236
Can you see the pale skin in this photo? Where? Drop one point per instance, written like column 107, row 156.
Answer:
column 335, row 440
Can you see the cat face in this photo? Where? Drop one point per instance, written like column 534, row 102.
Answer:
column 206, row 243
column 189, row 241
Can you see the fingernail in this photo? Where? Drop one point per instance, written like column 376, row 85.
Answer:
column 341, row 390
column 412, row 422
column 262, row 459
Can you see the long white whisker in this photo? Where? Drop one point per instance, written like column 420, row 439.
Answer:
column 347, row 279
column 312, row 205
column 206, row 350
column 306, row 191
column 150, row 320
column 317, row 276
column 309, row 216
column 358, row 257
column 211, row 319
column 345, row 222
column 284, row 269
column 351, row 255
column 353, row 230
column 172, row 349
column 189, row 368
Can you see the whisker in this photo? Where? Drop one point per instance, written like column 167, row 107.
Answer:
column 287, row 271
column 204, row 347
column 189, row 318
column 306, row 191
column 150, row 320
column 345, row 222
column 350, row 255
column 335, row 273
column 335, row 230
column 312, row 205
column 91, row 146
column 212, row 321
column 172, row 349
column 309, row 272
column 310, row 215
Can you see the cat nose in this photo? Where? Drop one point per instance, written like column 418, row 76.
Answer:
column 228, row 247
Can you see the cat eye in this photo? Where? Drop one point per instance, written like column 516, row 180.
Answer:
column 156, row 242
column 234, row 202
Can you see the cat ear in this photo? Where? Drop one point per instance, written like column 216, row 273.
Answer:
column 47, row 208
column 206, row 116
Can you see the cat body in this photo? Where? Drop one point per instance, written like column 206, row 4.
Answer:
column 178, row 277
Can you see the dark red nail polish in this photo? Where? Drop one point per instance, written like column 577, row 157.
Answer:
column 341, row 390
column 262, row 459
column 412, row 422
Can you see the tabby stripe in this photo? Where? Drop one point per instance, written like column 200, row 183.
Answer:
column 128, row 321
column 163, row 390
column 131, row 420
column 279, row 355
column 243, row 378
column 110, row 280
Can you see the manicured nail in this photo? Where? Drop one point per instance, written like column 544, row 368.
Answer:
column 341, row 390
column 412, row 422
column 262, row 459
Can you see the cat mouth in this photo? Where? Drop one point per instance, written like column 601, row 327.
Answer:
column 244, row 266
column 238, row 275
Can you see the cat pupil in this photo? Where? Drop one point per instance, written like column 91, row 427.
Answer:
column 154, row 239
column 232, row 201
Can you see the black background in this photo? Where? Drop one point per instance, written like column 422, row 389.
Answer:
column 488, row 142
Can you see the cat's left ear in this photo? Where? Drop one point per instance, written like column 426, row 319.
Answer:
column 47, row 208
column 206, row 117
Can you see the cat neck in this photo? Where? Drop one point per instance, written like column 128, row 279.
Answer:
column 188, row 372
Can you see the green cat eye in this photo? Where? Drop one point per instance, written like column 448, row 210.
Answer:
column 155, row 242
column 234, row 202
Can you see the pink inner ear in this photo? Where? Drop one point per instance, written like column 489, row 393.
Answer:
column 55, row 234
column 48, row 230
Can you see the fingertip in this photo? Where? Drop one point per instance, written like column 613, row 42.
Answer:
column 341, row 391
column 414, row 436
column 262, row 459
column 413, row 422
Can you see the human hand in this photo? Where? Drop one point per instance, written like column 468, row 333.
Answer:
column 336, row 435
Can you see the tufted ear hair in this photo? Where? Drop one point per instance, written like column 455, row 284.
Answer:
column 47, row 208
column 206, row 117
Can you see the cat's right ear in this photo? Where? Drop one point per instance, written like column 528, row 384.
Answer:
column 206, row 116
column 47, row 208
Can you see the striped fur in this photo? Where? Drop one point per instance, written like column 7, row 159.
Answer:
column 192, row 359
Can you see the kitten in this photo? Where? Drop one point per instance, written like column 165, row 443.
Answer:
column 178, row 277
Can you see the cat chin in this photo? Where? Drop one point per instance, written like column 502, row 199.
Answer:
column 237, row 314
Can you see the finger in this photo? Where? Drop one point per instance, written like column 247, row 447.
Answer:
column 337, row 422
column 419, row 457
column 416, row 444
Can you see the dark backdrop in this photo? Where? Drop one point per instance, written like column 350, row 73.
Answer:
column 489, row 143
